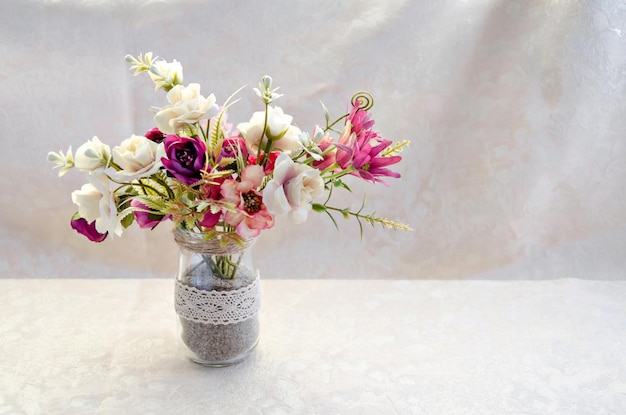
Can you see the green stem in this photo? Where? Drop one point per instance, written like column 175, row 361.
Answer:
column 328, row 127
column 113, row 164
column 258, row 154
column 223, row 265
column 163, row 183
column 268, row 148
column 142, row 185
column 339, row 174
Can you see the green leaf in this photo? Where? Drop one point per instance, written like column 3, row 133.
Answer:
column 215, row 133
column 189, row 222
column 128, row 220
column 340, row 183
column 318, row 207
column 333, row 219
column 358, row 220
column 154, row 202
column 226, row 161
column 326, row 113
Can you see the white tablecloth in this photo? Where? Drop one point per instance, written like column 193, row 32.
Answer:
column 327, row 347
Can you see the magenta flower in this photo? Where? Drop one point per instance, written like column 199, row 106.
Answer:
column 359, row 148
column 155, row 135
column 360, row 119
column 144, row 217
column 234, row 147
column 87, row 229
column 185, row 157
column 213, row 192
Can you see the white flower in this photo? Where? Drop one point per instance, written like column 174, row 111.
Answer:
column 265, row 91
column 292, row 189
column 87, row 199
column 310, row 146
column 166, row 75
column 63, row 161
column 137, row 156
column 187, row 106
column 96, row 202
column 93, row 156
column 279, row 128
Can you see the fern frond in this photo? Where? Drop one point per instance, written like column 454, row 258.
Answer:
column 215, row 144
column 225, row 161
column 153, row 202
column 217, row 134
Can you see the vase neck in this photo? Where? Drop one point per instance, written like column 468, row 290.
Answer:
column 221, row 245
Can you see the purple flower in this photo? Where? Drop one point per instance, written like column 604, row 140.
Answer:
column 233, row 147
column 88, row 229
column 145, row 218
column 155, row 135
column 185, row 157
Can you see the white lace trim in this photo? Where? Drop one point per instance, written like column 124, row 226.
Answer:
column 218, row 307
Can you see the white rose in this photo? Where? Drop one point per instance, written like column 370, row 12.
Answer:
column 87, row 199
column 277, row 123
column 137, row 156
column 292, row 189
column 187, row 106
column 165, row 74
column 93, row 156
column 97, row 203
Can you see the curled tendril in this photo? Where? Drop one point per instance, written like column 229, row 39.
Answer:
column 365, row 99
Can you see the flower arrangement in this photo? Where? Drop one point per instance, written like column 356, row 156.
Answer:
column 228, row 183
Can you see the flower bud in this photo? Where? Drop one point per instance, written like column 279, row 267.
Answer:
column 267, row 82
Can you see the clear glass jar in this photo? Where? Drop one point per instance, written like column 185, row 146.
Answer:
column 217, row 299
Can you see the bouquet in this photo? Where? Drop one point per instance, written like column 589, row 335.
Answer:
column 197, row 171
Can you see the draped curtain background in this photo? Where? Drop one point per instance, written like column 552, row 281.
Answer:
column 515, row 111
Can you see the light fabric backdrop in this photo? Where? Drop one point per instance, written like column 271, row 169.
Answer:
column 515, row 110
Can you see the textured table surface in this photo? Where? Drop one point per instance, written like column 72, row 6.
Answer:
column 327, row 347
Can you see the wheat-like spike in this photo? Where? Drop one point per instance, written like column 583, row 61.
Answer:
column 371, row 219
column 395, row 149
column 387, row 223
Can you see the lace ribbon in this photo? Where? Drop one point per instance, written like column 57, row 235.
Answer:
column 218, row 307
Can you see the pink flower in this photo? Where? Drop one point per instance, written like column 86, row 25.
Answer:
column 360, row 120
column 146, row 219
column 329, row 159
column 292, row 189
column 359, row 147
column 251, row 216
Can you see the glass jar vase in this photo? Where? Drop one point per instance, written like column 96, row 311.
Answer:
column 217, row 298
